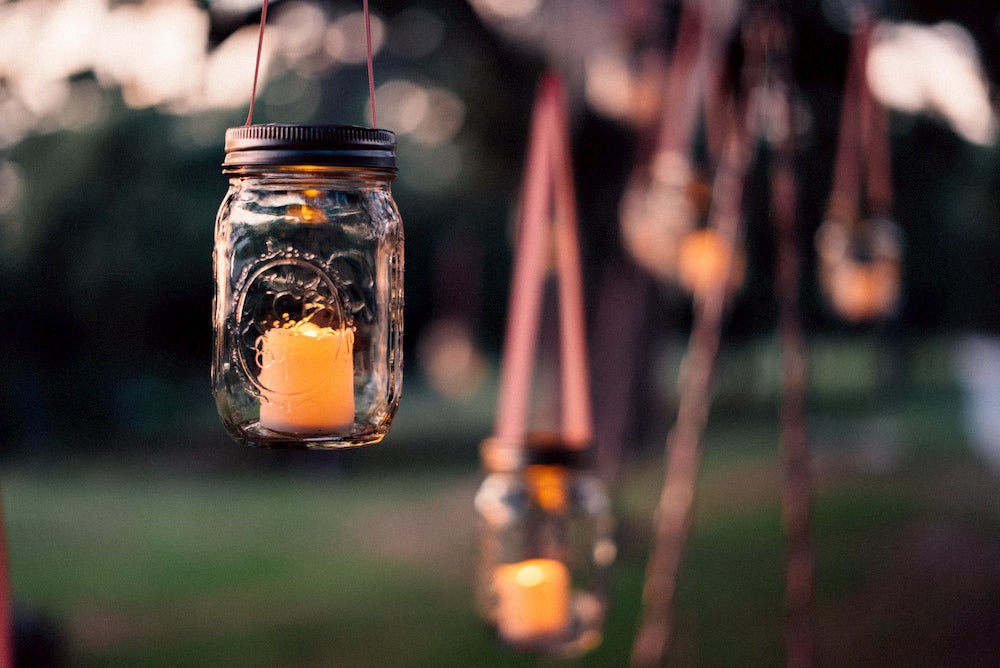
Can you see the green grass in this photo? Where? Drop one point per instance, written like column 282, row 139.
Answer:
column 371, row 563
column 193, row 562
column 376, row 569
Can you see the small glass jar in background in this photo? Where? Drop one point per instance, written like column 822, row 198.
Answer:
column 546, row 546
column 308, row 310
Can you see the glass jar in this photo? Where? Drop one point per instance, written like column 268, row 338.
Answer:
column 308, row 310
column 859, row 267
column 546, row 546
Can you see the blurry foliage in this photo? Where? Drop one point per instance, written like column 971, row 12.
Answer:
column 107, row 311
column 118, row 284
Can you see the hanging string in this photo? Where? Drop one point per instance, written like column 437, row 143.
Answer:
column 371, row 69
column 368, row 45
column 256, row 67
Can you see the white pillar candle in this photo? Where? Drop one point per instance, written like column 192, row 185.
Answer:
column 532, row 599
column 307, row 375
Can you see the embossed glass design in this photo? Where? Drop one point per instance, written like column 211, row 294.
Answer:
column 546, row 546
column 309, row 287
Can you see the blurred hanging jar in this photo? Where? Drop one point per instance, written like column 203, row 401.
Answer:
column 546, row 546
column 859, row 267
column 308, row 312
column 659, row 207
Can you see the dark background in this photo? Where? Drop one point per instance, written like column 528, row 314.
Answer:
column 107, row 308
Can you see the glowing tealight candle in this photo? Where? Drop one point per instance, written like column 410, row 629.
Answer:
column 704, row 261
column 307, row 373
column 532, row 599
column 863, row 291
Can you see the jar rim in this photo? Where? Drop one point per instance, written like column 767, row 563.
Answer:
column 275, row 144
column 543, row 448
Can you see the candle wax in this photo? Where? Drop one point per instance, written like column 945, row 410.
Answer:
column 532, row 599
column 307, row 375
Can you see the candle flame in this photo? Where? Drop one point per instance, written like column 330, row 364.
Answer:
column 307, row 214
column 530, row 576
column 307, row 328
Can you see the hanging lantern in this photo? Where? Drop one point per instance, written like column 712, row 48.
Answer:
column 545, row 520
column 665, row 200
column 309, row 287
column 859, row 256
column 546, row 546
column 860, row 267
column 658, row 209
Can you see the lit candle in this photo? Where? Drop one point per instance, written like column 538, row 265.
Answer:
column 864, row 291
column 706, row 260
column 532, row 599
column 307, row 373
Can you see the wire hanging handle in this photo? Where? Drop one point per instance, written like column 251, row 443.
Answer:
column 256, row 66
column 371, row 69
column 368, row 46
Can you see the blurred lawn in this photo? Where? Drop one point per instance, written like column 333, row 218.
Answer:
column 370, row 562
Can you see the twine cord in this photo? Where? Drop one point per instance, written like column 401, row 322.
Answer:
column 371, row 69
column 256, row 67
column 260, row 46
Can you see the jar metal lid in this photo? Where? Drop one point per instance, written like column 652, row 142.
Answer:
column 500, row 455
column 320, row 145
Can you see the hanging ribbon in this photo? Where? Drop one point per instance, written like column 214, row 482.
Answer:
column 874, row 139
column 663, row 201
column 863, row 142
column 859, row 247
column 702, row 31
column 547, row 195
column 684, row 87
column 368, row 47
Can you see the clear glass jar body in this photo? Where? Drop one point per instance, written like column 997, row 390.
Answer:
column 308, row 314
column 546, row 546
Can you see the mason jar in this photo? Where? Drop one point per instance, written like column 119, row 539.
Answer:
column 546, row 546
column 308, row 309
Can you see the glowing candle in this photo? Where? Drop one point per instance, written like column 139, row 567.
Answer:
column 705, row 260
column 307, row 373
column 532, row 599
column 864, row 291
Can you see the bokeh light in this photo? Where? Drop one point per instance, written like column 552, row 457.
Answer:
column 345, row 41
column 158, row 53
column 936, row 70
